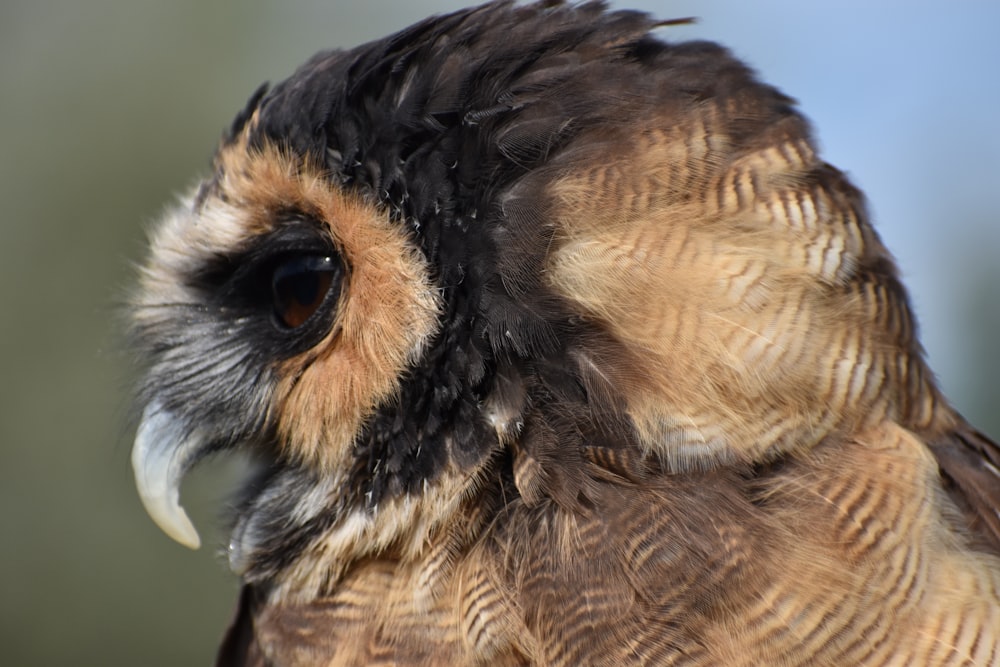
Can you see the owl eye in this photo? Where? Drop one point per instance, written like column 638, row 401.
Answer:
column 299, row 286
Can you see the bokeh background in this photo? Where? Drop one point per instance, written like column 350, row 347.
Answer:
column 109, row 107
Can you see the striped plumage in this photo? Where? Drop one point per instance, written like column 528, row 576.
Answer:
column 558, row 344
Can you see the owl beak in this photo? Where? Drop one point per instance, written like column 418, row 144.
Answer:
column 163, row 452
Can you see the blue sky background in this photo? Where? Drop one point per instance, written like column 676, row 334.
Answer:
column 109, row 107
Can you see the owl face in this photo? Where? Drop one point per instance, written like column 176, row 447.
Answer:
column 504, row 240
column 279, row 310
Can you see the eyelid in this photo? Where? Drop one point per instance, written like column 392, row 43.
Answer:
column 228, row 276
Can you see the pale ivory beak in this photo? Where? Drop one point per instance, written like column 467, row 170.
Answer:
column 163, row 451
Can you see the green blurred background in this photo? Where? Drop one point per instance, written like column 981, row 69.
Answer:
column 109, row 107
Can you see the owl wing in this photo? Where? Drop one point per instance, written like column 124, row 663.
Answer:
column 970, row 465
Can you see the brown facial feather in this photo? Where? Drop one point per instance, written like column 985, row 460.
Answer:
column 389, row 309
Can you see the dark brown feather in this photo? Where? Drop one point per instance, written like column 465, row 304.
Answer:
column 970, row 462
column 239, row 646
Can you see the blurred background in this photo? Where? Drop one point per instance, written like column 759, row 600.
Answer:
column 109, row 107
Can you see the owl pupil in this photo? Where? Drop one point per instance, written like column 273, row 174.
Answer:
column 299, row 286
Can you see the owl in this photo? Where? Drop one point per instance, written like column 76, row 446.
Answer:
column 555, row 343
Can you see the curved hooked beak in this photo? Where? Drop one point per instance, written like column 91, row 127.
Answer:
column 163, row 452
